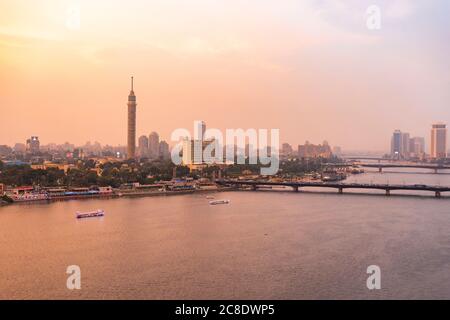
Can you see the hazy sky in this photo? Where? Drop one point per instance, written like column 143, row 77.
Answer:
column 310, row 68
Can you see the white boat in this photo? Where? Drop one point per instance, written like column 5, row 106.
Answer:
column 209, row 197
column 29, row 197
column 91, row 214
column 214, row 202
column 25, row 194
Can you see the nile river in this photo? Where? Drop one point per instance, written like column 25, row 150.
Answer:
column 263, row 245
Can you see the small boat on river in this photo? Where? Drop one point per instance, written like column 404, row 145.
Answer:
column 90, row 214
column 215, row 202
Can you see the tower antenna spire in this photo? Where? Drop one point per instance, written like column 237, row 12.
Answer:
column 131, row 83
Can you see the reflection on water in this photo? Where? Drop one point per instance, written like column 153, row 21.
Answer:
column 264, row 245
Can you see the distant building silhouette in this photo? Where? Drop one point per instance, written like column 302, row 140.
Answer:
column 153, row 145
column 143, row 146
column 417, row 147
column 400, row 145
column 20, row 148
column 164, row 152
column 309, row 150
column 286, row 150
column 33, row 144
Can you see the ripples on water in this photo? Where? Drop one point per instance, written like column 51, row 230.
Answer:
column 264, row 245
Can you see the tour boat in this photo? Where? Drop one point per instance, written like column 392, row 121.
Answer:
column 91, row 214
column 214, row 202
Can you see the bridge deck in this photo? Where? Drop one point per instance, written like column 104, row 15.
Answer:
column 393, row 165
column 339, row 185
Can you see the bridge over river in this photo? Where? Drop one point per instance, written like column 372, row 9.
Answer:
column 340, row 187
column 381, row 166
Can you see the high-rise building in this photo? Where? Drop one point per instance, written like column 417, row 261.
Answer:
column 5, row 150
column 396, row 144
column 439, row 141
column 400, row 145
column 201, row 151
column 210, row 151
column 192, row 152
column 405, row 145
column 164, row 150
column 286, row 150
column 20, row 148
column 153, row 145
column 143, row 146
column 131, row 146
column 417, row 147
column 203, row 124
column 201, row 129
column 188, row 151
column 33, row 144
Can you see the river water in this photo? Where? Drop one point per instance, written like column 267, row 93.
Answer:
column 263, row 245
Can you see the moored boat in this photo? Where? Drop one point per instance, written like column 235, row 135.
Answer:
column 91, row 214
column 26, row 194
column 332, row 176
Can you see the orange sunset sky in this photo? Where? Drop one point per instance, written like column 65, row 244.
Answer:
column 310, row 68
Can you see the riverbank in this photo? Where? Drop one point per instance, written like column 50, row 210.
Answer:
column 122, row 194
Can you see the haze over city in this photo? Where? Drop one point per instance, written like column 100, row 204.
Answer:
column 224, row 158
column 311, row 68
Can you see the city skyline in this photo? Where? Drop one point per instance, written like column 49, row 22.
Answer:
column 320, row 75
column 424, row 142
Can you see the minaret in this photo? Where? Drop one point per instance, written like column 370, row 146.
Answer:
column 131, row 149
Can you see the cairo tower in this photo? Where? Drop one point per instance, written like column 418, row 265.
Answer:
column 131, row 147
